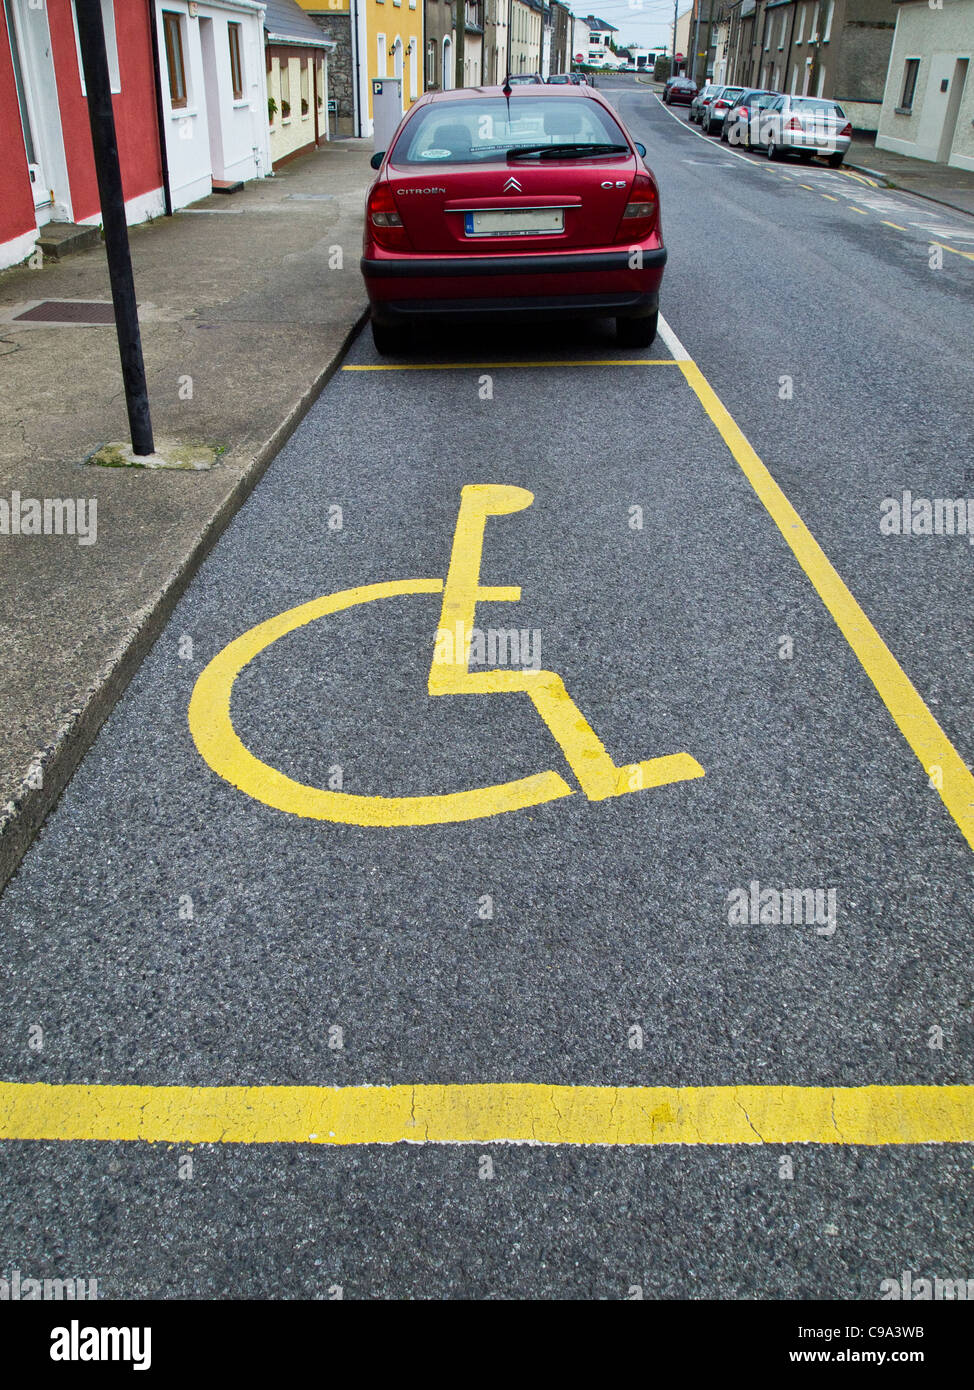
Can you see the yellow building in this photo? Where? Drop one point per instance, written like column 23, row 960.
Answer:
column 393, row 43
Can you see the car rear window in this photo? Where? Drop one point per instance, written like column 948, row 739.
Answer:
column 818, row 108
column 483, row 129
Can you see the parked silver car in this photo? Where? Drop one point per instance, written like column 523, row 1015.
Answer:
column 720, row 104
column 703, row 99
column 745, row 114
column 805, row 126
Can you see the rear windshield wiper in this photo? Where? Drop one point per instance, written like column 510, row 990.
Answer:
column 566, row 151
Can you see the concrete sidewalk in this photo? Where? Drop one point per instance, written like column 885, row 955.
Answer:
column 954, row 188
column 246, row 304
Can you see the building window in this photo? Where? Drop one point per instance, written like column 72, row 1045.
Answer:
column 801, row 24
column 380, row 43
column 821, row 81
column 236, row 61
column 172, row 25
column 305, row 89
column 111, row 45
column 828, row 21
column 910, row 73
column 784, row 25
column 285, row 90
column 431, row 63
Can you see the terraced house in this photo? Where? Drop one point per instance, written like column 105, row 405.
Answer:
column 928, row 109
column 827, row 48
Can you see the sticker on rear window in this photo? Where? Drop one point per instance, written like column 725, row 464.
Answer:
column 435, row 154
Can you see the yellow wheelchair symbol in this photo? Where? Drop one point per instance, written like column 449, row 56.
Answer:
column 450, row 674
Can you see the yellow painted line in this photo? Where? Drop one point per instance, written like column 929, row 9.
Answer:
column 968, row 255
column 940, row 760
column 830, row 198
column 860, row 178
column 808, row 186
column 892, row 224
column 862, row 211
column 496, row 1112
column 481, row 366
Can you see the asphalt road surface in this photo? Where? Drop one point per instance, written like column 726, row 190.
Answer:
column 168, row 929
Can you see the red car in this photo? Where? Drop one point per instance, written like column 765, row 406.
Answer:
column 506, row 205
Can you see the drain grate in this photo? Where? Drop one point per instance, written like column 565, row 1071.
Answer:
column 68, row 311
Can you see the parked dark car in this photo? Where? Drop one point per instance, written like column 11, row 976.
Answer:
column 679, row 89
column 574, row 78
column 524, row 79
column 745, row 115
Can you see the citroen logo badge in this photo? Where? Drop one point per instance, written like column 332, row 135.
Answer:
column 512, row 186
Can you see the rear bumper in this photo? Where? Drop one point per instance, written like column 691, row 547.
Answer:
column 818, row 144
column 524, row 308
column 452, row 267
column 590, row 284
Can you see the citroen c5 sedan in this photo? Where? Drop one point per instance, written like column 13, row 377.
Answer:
column 508, row 205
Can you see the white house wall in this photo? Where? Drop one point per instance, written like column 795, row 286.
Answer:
column 243, row 135
column 938, row 37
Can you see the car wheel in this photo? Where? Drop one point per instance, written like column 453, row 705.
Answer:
column 835, row 160
column 637, row 333
column 773, row 151
column 390, row 339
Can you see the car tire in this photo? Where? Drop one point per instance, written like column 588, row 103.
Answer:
column 390, row 340
column 637, row 333
column 773, row 151
column 834, row 161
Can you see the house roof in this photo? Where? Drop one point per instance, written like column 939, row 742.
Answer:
column 597, row 25
column 286, row 22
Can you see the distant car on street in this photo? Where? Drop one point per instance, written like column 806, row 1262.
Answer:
column 524, row 79
column 703, row 99
column 745, row 113
column 679, row 89
column 509, row 207
column 574, row 79
column 805, row 126
column 713, row 118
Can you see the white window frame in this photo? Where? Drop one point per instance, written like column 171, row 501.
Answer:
column 829, row 15
column 111, row 44
column 380, row 67
column 821, row 80
column 784, row 26
column 800, row 34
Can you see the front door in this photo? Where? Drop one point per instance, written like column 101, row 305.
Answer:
column 30, row 48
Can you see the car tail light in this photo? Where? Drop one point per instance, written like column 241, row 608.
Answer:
column 642, row 209
column 744, row 113
column 721, row 105
column 384, row 219
column 846, row 129
column 794, row 124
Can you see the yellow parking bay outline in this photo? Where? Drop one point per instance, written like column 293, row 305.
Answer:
column 498, row 1112
column 525, row 1112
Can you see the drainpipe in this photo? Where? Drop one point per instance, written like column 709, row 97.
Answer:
column 160, row 109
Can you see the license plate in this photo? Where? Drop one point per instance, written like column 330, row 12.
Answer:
column 514, row 221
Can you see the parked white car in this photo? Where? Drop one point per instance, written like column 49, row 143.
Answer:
column 805, row 126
